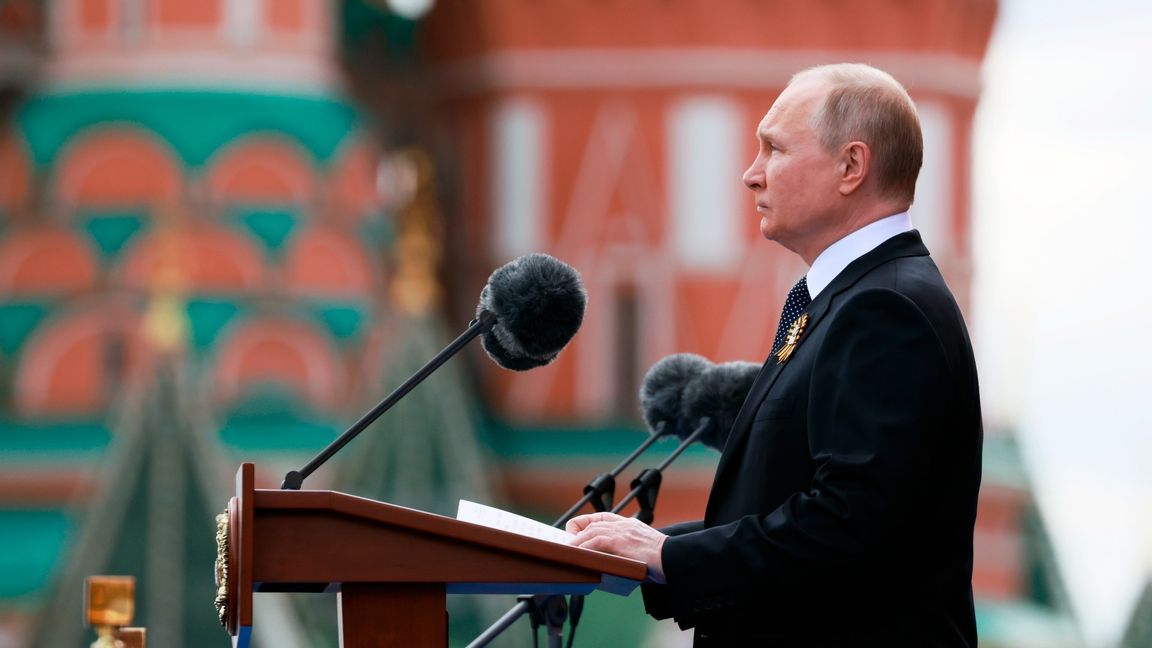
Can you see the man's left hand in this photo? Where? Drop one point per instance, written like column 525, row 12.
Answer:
column 627, row 537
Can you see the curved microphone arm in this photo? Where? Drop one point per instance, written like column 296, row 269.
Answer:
column 479, row 326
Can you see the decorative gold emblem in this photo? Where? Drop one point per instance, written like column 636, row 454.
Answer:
column 222, row 568
column 110, row 602
column 793, row 339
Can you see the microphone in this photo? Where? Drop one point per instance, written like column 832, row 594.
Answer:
column 539, row 305
column 718, row 393
column 660, row 398
column 709, row 403
column 529, row 310
column 662, row 391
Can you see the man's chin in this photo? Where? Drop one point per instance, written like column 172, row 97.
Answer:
column 766, row 229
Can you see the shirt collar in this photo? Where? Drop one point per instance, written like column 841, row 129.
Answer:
column 837, row 256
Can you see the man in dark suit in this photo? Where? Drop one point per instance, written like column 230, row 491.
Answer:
column 843, row 505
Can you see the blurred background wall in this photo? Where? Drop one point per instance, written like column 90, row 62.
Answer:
column 228, row 227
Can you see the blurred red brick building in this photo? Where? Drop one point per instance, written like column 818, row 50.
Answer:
column 189, row 179
column 614, row 136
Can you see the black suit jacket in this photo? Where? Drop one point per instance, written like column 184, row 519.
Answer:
column 843, row 505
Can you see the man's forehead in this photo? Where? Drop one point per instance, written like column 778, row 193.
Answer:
column 765, row 122
column 797, row 100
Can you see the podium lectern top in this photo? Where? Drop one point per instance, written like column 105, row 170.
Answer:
column 316, row 541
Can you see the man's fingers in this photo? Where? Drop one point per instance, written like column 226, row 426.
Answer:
column 598, row 543
column 591, row 530
column 581, row 522
column 596, row 537
column 577, row 524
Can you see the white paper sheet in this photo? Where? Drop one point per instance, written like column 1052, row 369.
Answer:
column 495, row 518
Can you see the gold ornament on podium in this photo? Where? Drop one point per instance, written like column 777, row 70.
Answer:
column 222, row 566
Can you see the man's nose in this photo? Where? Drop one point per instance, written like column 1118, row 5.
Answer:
column 753, row 177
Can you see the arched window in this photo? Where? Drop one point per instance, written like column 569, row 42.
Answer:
column 114, row 180
column 332, row 274
column 76, row 364
column 117, row 167
column 282, row 356
column 40, row 268
column 262, row 170
column 264, row 184
column 324, row 261
column 45, row 261
column 200, row 258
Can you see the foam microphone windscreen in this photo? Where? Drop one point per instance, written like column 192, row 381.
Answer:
column 539, row 305
column 718, row 392
column 663, row 388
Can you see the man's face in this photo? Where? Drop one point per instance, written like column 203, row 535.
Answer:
column 793, row 178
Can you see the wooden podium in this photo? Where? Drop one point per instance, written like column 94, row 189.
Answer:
column 391, row 566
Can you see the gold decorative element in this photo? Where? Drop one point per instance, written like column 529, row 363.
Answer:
column 222, row 567
column 166, row 326
column 110, row 602
column 418, row 249
column 792, row 339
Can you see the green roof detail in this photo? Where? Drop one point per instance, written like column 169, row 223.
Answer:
column 270, row 434
column 195, row 123
column 33, row 542
column 272, row 227
column 29, row 441
column 207, row 317
column 344, row 319
column 17, row 319
column 110, row 232
column 272, row 419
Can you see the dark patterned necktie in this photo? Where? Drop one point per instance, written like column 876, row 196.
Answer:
column 798, row 299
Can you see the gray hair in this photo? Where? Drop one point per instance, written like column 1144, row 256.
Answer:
column 868, row 105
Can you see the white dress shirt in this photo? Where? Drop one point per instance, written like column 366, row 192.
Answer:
column 837, row 256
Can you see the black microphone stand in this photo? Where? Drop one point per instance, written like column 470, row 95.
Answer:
column 602, row 488
column 645, row 486
column 479, row 326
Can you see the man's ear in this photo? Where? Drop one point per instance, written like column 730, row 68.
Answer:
column 855, row 162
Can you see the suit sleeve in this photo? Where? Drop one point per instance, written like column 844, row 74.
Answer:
column 680, row 528
column 877, row 383
column 656, row 602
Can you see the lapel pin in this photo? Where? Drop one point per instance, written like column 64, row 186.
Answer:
column 793, row 339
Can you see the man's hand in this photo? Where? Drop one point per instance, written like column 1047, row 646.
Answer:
column 627, row 537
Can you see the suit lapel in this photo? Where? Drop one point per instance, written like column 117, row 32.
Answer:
column 770, row 371
column 901, row 245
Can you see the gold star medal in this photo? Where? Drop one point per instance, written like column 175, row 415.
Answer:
column 793, row 339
